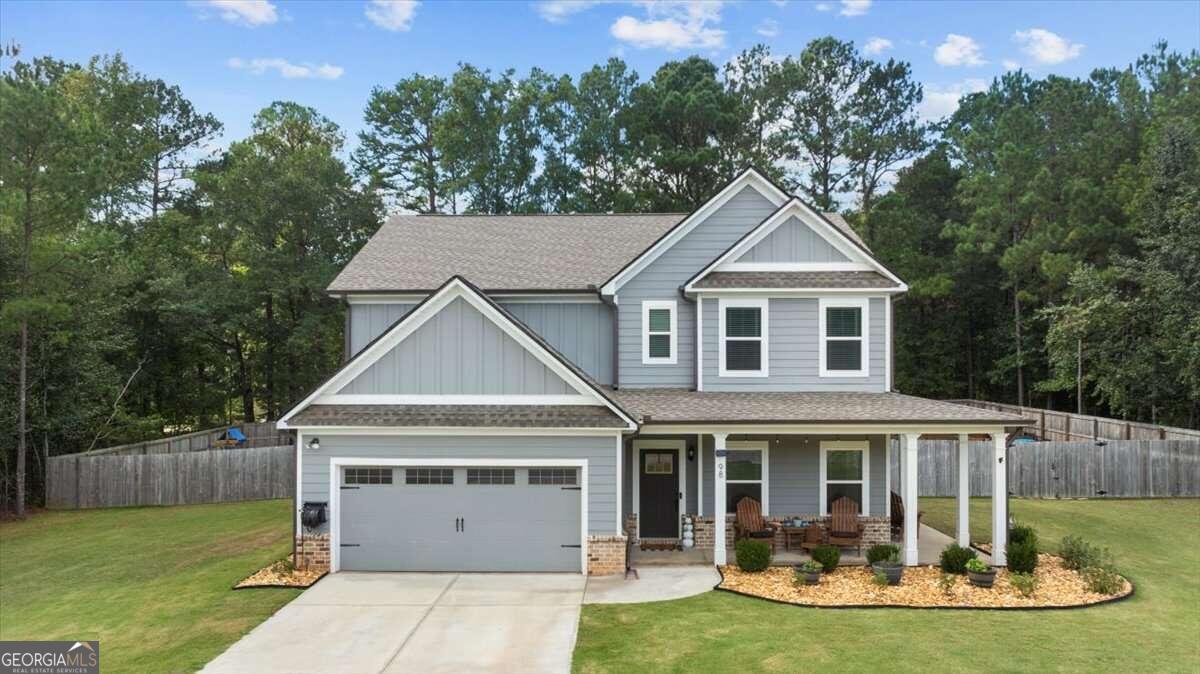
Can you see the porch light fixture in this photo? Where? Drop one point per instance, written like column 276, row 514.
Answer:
column 691, row 454
column 314, row 444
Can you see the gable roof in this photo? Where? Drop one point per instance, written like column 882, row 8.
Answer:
column 458, row 287
column 848, row 244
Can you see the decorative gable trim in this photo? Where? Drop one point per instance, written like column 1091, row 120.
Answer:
column 750, row 177
column 588, row 393
column 860, row 258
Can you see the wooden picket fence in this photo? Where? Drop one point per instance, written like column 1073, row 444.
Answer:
column 1118, row 468
column 1066, row 426
column 207, row 476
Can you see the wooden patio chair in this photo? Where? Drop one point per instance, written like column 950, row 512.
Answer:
column 898, row 516
column 750, row 523
column 845, row 531
column 814, row 537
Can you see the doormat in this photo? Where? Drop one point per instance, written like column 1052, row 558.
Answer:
column 659, row 546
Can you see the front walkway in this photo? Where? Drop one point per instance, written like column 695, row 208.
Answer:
column 416, row 622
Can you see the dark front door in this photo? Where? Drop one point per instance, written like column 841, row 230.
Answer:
column 658, row 493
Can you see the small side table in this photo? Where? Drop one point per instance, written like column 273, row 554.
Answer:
column 789, row 532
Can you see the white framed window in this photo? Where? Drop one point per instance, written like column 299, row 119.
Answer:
column 742, row 326
column 659, row 333
column 845, row 471
column 842, row 324
column 746, row 474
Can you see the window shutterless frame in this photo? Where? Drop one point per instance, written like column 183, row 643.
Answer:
column 763, row 448
column 862, row 304
column 863, row 446
column 723, row 307
column 656, row 334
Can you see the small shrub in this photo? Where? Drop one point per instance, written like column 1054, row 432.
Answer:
column 1024, row 583
column 975, row 564
column 882, row 552
column 1078, row 554
column 827, row 556
column 954, row 558
column 812, row 566
column 880, row 579
column 1023, row 556
column 946, row 583
column 1101, row 580
column 753, row 555
column 1022, row 533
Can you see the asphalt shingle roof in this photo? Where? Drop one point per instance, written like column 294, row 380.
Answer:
column 457, row 416
column 661, row 406
column 795, row 279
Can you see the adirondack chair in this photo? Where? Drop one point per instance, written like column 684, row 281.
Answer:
column 750, row 523
column 814, row 537
column 844, row 528
column 898, row 516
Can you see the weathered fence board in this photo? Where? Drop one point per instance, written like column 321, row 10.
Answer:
column 1054, row 425
column 210, row 476
column 1120, row 468
column 258, row 434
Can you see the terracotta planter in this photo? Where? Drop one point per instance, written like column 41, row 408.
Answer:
column 982, row 578
column 893, row 573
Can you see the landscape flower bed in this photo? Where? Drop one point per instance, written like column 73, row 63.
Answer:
column 1057, row 586
column 281, row 574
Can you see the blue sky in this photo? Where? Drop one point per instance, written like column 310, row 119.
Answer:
column 233, row 57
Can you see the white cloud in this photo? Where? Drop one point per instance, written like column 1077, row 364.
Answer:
column 942, row 101
column 287, row 69
column 855, row 7
column 393, row 15
column 558, row 11
column 823, row 7
column 877, row 45
column 768, row 28
column 242, row 12
column 672, row 26
column 959, row 50
column 1010, row 64
column 1046, row 47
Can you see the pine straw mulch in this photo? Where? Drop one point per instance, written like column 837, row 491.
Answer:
column 853, row 586
column 281, row 574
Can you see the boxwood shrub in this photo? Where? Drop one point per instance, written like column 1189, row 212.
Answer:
column 954, row 558
column 828, row 556
column 1022, row 533
column 753, row 555
column 882, row 552
column 1023, row 556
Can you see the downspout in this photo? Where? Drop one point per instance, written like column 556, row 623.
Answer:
column 616, row 352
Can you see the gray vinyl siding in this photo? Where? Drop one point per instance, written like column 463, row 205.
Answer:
column 458, row 351
column 629, row 467
column 793, row 350
column 600, row 452
column 662, row 279
column 794, row 473
column 793, row 241
column 583, row 331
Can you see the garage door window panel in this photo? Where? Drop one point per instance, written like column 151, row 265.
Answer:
column 419, row 476
column 491, row 476
column 368, row 476
column 552, row 476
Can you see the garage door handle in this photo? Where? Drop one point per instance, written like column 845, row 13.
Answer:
column 456, row 524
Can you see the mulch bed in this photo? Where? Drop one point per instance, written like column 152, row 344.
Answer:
column 281, row 574
column 1058, row 587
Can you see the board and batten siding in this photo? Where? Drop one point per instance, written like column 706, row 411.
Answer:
column 794, row 472
column 600, row 452
column 793, row 241
column 458, row 351
column 662, row 279
column 581, row 331
column 793, row 350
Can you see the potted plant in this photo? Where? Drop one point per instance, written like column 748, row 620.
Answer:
column 809, row 572
column 890, row 567
column 980, row 574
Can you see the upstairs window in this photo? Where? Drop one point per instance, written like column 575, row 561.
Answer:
column 844, row 351
column 743, row 331
column 659, row 334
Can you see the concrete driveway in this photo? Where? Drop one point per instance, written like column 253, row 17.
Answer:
column 366, row 623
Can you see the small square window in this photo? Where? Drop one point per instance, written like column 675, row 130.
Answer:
column 491, row 476
column 552, row 476
column 368, row 476
column 659, row 463
column 429, row 476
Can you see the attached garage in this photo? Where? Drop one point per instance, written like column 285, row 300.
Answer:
column 409, row 515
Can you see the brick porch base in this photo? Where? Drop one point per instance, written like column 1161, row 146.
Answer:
column 312, row 552
column 606, row 555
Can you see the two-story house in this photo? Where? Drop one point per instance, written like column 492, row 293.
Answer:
column 521, row 392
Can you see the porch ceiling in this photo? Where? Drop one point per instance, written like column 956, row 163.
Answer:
column 683, row 406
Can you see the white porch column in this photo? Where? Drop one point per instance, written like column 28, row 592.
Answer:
column 999, row 501
column 909, row 480
column 964, row 491
column 700, row 475
column 719, row 498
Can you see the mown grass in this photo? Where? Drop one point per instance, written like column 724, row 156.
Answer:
column 152, row 584
column 1156, row 544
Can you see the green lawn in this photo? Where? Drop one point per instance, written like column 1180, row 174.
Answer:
column 152, row 584
column 1156, row 544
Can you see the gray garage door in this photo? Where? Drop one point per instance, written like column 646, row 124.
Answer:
column 460, row 519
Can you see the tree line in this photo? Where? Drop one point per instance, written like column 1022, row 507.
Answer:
column 1049, row 228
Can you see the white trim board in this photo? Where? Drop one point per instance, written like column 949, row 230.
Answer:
column 749, row 177
column 336, row 463
column 453, row 289
column 680, row 447
column 863, row 446
column 454, row 430
column 417, row 399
